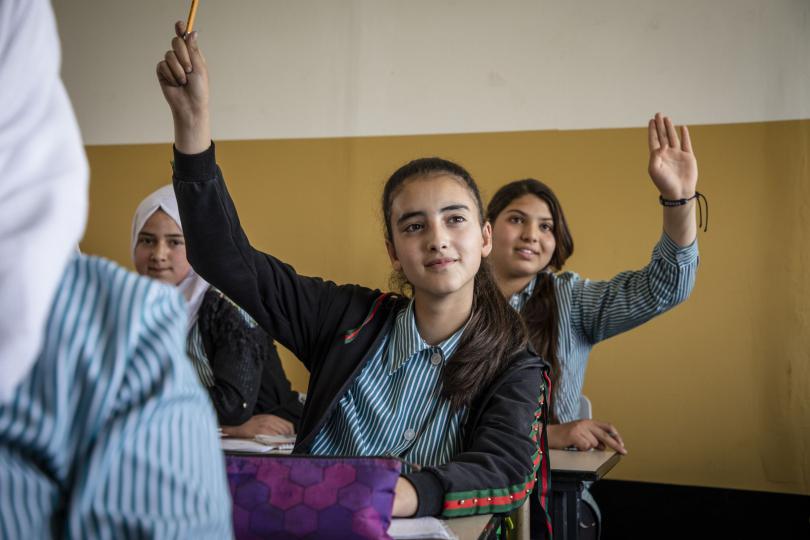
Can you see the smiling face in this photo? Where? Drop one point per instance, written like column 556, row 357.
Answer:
column 523, row 238
column 160, row 251
column 437, row 239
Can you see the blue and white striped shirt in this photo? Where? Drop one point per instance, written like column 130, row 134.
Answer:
column 110, row 435
column 591, row 311
column 395, row 407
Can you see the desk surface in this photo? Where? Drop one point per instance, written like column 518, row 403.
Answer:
column 471, row 527
column 588, row 466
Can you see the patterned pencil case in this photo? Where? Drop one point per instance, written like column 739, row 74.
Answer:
column 309, row 497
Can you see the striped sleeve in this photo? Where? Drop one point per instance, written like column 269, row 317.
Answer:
column 607, row 308
column 154, row 467
column 111, row 436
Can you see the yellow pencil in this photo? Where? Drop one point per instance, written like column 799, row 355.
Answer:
column 191, row 15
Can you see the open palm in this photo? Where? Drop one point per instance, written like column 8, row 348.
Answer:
column 673, row 167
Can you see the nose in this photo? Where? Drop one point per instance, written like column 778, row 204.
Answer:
column 530, row 233
column 159, row 252
column 437, row 239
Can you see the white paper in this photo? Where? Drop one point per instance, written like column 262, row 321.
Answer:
column 250, row 446
column 281, row 442
column 420, row 529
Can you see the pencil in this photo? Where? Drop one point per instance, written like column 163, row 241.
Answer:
column 191, row 16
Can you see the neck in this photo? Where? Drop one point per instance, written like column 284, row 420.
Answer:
column 509, row 284
column 439, row 317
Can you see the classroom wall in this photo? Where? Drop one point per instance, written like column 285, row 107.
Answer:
column 316, row 103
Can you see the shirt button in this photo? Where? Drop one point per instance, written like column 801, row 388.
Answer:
column 436, row 358
column 409, row 434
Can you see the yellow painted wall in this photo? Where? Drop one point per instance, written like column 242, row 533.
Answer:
column 715, row 393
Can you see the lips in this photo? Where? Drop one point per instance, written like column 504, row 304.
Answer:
column 159, row 270
column 439, row 264
column 526, row 253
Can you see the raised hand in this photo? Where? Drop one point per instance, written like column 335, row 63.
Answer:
column 673, row 167
column 183, row 78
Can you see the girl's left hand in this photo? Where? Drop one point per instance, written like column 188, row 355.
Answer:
column 261, row 424
column 673, row 167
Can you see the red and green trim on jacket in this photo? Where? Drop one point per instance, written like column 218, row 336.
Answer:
column 506, row 499
column 545, row 469
column 353, row 333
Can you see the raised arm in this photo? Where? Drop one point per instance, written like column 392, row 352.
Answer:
column 603, row 309
column 291, row 308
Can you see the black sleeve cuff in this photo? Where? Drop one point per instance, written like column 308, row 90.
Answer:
column 195, row 167
column 430, row 493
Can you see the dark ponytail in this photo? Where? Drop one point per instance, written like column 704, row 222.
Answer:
column 541, row 312
column 495, row 331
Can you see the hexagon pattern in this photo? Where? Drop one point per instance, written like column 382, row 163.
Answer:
column 307, row 497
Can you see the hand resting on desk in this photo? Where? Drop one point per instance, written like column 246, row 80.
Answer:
column 585, row 435
column 260, row 424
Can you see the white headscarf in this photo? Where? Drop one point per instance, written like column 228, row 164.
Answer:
column 193, row 286
column 43, row 183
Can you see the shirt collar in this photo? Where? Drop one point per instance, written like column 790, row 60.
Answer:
column 519, row 299
column 406, row 342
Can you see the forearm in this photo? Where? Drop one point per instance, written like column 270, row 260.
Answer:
column 192, row 134
column 406, row 500
column 679, row 222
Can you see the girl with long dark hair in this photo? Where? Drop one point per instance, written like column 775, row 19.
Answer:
column 566, row 315
column 443, row 380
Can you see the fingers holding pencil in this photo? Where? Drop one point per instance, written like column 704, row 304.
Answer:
column 183, row 78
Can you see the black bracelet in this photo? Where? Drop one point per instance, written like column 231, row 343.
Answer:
column 676, row 202
column 670, row 203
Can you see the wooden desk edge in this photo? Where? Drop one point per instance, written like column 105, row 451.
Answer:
column 587, row 476
column 473, row 527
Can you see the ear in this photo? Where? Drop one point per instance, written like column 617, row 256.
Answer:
column 486, row 234
column 392, row 254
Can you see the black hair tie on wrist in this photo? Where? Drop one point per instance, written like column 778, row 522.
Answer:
column 669, row 203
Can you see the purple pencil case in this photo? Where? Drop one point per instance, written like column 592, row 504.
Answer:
column 309, row 497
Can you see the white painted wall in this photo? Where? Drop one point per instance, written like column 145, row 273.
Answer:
column 316, row 68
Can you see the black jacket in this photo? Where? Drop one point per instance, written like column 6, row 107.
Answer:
column 248, row 377
column 334, row 329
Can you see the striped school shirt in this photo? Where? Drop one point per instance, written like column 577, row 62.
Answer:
column 395, row 407
column 591, row 311
column 110, row 435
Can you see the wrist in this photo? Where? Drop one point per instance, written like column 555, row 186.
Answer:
column 677, row 201
column 677, row 194
column 192, row 133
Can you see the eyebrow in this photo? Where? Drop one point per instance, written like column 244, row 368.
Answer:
column 150, row 235
column 408, row 215
column 522, row 213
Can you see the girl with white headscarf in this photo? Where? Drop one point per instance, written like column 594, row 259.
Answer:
column 235, row 359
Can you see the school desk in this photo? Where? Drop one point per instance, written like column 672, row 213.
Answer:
column 570, row 470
